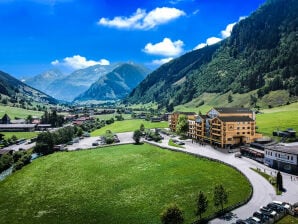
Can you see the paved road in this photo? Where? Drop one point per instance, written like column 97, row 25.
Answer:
column 263, row 192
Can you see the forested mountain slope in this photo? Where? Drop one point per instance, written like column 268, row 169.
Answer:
column 261, row 54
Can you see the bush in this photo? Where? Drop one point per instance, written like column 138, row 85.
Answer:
column 172, row 215
column 137, row 136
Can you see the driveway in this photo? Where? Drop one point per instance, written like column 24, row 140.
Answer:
column 263, row 191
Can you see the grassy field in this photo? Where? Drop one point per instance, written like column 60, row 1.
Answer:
column 120, row 184
column 129, row 125
column 26, row 135
column 288, row 220
column 269, row 122
column 18, row 112
column 109, row 116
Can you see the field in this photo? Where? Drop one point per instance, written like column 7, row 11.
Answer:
column 120, row 184
column 269, row 122
column 26, row 135
column 129, row 125
column 288, row 220
column 18, row 112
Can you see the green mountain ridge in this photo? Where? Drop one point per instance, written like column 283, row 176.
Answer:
column 259, row 57
column 16, row 91
column 116, row 84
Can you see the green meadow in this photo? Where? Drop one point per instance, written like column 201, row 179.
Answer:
column 118, row 184
column 14, row 112
column 26, row 135
column 129, row 125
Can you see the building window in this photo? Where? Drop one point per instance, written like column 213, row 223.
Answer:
column 243, row 133
column 291, row 157
column 248, row 132
column 238, row 133
column 243, row 127
column 238, row 128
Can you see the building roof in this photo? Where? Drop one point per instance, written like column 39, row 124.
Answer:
column 185, row 113
column 204, row 116
column 291, row 149
column 17, row 126
column 235, row 119
column 232, row 110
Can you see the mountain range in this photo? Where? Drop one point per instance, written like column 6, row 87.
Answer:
column 116, row 84
column 16, row 91
column 67, row 87
column 260, row 57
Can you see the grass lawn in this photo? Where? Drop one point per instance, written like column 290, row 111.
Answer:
column 129, row 125
column 268, row 122
column 171, row 143
column 18, row 112
column 288, row 220
column 120, row 184
column 26, row 135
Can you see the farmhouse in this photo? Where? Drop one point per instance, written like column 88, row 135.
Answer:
column 282, row 157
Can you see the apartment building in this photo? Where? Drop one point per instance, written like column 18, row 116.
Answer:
column 173, row 118
column 223, row 127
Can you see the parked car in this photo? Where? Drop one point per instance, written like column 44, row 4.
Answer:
column 264, row 218
column 95, row 144
column 238, row 155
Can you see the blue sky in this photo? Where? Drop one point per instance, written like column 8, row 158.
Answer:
column 37, row 35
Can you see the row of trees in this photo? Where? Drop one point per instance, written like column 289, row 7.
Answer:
column 46, row 140
column 17, row 159
column 174, row 215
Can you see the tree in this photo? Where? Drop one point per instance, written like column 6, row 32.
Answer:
column 182, row 125
column 142, row 128
column 202, row 204
column 137, row 136
column 230, row 98
column 29, row 119
column 220, row 196
column 279, row 182
column 170, row 107
column 172, row 215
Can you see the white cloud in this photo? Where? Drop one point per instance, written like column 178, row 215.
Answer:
column 227, row 32
column 161, row 61
column 165, row 48
column 56, row 62
column 213, row 40
column 79, row 62
column 224, row 34
column 142, row 20
column 199, row 46
column 209, row 41
column 229, row 28
column 196, row 12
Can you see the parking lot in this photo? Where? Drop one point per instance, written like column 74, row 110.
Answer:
column 89, row 142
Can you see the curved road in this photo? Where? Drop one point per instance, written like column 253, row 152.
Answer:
column 263, row 191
